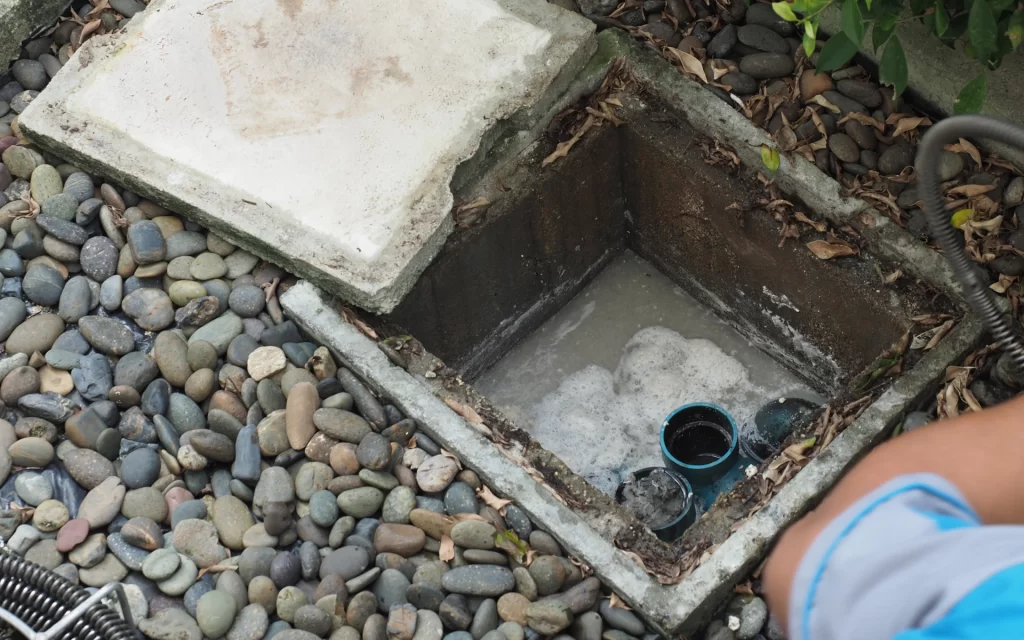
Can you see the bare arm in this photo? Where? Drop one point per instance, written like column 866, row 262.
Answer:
column 981, row 453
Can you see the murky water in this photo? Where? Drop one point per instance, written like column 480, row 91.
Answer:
column 594, row 383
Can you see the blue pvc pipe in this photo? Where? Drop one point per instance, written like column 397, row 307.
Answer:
column 678, row 420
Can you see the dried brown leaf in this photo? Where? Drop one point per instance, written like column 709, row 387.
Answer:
column 364, row 328
column 909, row 124
column 466, row 411
column 966, row 147
column 476, row 203
column 449, row 454
column 893, row 277
column 89, row 29
column 863, row 119
column 562, row 148
column 618, row 603
column 820, row 227
column 824, row 250
column 689, row 63
column 447, row 550
column 1003, row 283
column 970, row 190
column 821, row 100
column 491, row 500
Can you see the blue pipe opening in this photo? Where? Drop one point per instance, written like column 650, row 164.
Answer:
column 700, row 441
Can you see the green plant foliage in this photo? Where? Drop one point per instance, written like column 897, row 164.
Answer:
column 987, row 29
column 892, row 70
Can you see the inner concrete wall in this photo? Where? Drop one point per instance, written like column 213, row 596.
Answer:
column 497, row 281
column 707, row 228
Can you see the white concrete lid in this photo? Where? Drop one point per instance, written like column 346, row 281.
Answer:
column 328, row 130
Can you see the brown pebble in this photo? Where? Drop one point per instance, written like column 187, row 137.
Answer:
column 813, row 84
column 319, row 448
column 403, row 539
column 55, row 380
column 143, row 533
column 343, row 459
column 229, row 402
column 72, row 534
column 176, row 496
column 124, row 396
column 303, row 400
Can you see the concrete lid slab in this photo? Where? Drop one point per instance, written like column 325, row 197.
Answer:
column 322, row 135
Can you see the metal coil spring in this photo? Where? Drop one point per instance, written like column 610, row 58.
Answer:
column 974, row 282
column 42, row 598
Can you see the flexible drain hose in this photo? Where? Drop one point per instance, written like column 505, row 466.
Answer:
column 42, row 598
column 974, row 281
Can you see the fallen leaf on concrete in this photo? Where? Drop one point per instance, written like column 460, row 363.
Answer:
column 796, row 451
column 563, row 148
column 492, row 500
column 605, row 115
column 364, row 328
column 476, row 203
column 769, row 158
column 893, row 277
column 820, row 227
column 689, row 63
column 928, row 339
column 827, row 250
column 467, row 412
column 447, row 550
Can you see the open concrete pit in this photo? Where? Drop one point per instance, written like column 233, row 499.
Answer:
column 519, row 303
column 656, row 264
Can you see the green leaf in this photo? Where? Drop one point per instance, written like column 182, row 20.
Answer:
column 837, row 51
column 892, row 70
column 972, row 96
column 769, row 158
column 785, row 11
column 981, row 30
column 961, row 217
column 999, row 6
column 1015, row 32
column 853, row 22
column 941, row 18
column 867, row 3
column 880, row 34
column 809, row 42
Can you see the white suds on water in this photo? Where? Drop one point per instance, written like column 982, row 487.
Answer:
column 594, row 384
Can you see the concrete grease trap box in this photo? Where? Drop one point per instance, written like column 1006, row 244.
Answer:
column 576, row 294
column 585, row 260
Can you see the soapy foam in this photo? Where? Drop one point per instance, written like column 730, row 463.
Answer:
column 594, row 383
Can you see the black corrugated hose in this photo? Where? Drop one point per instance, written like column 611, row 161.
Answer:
column 42, row 598
column 974, row 281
